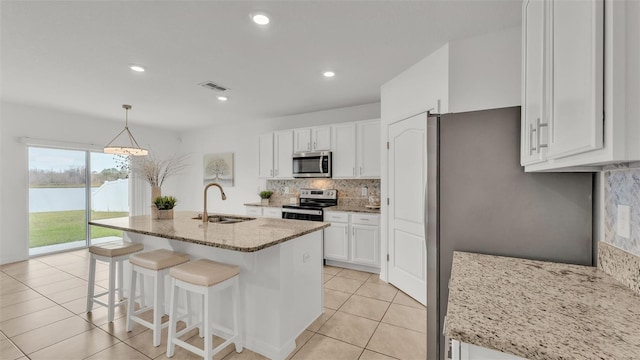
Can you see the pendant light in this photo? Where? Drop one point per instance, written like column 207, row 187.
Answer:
column 134, row 149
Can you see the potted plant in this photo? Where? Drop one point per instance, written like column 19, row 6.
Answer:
column 265, row 195
column 165, row 205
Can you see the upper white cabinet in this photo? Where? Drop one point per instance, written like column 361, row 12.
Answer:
column 274, row 155
column 312, row 139
column 581, row 59
column 369, row 149
column 356, row 150
column 562, row 79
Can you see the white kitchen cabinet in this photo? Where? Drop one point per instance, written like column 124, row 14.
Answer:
column 259, row 211
column 465, row 351
column 265, row 155
column 368, row 150
column 533, row 82
column 283, row 150
column 312, row 139
column 353, row 240
column 274, row 155
column 253, row 211
column 356, row 150
column 590, row 85
column 344, row 151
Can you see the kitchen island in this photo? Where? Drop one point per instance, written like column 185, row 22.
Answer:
column 281, row 269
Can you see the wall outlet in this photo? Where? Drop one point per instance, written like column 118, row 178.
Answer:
column 293, row 200
column 364, row 191
column 624, row 221
column 286, row 189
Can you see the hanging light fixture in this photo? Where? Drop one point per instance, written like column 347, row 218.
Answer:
column 134, row 149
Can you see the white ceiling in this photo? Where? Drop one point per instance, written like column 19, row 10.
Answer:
column 74, row 55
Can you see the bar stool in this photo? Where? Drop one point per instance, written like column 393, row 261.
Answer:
column 113, row 253
column 204, row 277
column 155, row 264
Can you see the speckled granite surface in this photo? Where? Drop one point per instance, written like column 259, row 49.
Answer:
column 621, row 265
column 248, row 236
column 541, row 310
column 274, row 204
column 353, row 208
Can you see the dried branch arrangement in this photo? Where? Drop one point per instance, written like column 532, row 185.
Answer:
column 155, row 171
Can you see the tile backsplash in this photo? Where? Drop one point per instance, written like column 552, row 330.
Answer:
column 622, row 187
column 349, row 190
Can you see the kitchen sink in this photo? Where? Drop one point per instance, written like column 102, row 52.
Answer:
column 225, row 219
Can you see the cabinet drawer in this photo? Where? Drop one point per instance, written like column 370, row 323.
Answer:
column 336, row 217
column 364, row 219
column 272, row 213
column 254, row 211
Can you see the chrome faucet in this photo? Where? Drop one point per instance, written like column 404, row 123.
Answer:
column 205, row 216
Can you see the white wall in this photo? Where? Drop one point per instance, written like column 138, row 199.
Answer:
column 241, row 138
column 484, row 71
column 17, row 121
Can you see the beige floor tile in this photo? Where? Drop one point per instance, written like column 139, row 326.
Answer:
column 381, row 292
column 118, row 328
column 197, row 341
column 327, row 278
column 375, row 278
column 80, row 346
column 331, row 270
column 399, row 342
column 354, row 274
column 34, row 320
column 59, row 260
column 98, row 316
column 77, row 306
column 404, row 299
column 17, row 297
column 73, row 294
column 8, row 351
column 143, row 342
column 45, row 277
column 2, row 336
column 349, row 328
column 59, row 286
column 369, row 308
column 10, row 285
column 370, row 355
column 406, row 317
column 48, row 335
column 343, row 284
column 321, row 347
column 334, row 299
column 119, row 351
column 317, row 324
column 23, row 267
column 246, row 354
column 23, row 308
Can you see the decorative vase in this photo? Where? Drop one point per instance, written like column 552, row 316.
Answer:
column 165, row 214
column 156, row 192
column 264, row 202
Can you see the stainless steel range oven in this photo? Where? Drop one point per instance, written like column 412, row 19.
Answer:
column 312, row 203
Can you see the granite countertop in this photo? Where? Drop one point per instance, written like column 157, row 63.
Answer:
column 541, row 310
column 273, row 204
column 345, row 208
column 247, row 236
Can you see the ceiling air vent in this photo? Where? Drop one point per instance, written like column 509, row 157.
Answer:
column 213, row 86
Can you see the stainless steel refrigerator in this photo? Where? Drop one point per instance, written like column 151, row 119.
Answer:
column 479, row 199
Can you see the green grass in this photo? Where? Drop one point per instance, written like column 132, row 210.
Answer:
column 58, row 227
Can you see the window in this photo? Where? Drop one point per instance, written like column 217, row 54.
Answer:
column 67, row 187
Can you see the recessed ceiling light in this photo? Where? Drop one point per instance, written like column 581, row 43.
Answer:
column 260, row 19
column 136, row 68
column 328, row 74
column 223, row 98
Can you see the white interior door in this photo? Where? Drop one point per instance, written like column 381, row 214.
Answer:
column 407, row 181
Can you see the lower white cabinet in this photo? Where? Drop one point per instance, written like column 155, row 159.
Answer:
column 353, row 238
column 465, row 351
column 270, row 212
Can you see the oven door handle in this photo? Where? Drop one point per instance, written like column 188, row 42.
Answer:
column 302, row 211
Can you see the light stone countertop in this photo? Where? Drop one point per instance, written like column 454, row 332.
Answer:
column 541, row 310
column 345, row 208
column 247, row 236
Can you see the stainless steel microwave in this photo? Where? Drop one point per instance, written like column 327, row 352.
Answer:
column 312, row 164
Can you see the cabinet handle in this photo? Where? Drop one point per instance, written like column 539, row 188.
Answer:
column 354, row 171
column 315, row 145
column 532, row 138
column 539, row 134
column 345, row 231
column 360, row 170
column 271, row 172
column 308, row 146
column 276, row 172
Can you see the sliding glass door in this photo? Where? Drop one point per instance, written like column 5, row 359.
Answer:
column 67, row 187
